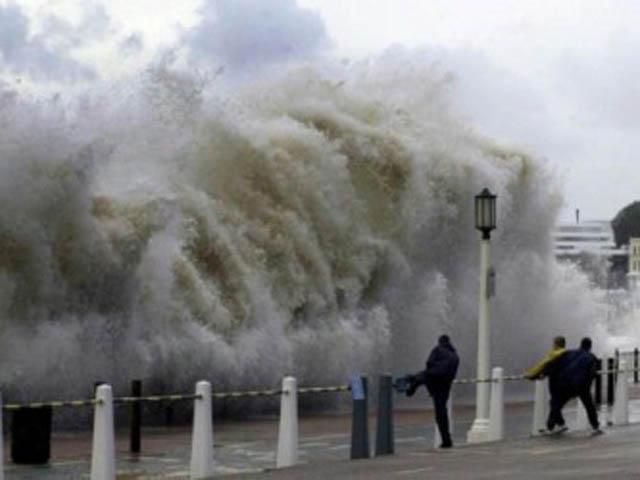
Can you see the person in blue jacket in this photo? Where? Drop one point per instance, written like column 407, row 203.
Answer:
column 575, row 372
column 442, row 367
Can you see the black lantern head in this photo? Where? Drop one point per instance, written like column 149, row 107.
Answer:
column 486, row 212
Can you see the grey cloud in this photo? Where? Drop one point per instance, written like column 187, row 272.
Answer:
column 602, row 89
column 94, row 25
column 242, row 34
column 132, row 44
column 44, row 56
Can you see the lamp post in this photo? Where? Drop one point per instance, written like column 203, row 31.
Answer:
column 485, row 212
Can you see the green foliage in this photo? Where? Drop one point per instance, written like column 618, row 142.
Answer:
column 627, row 224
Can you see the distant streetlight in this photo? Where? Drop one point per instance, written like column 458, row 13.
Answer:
column 485, row 212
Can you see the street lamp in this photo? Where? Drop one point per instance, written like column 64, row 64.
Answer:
column 485, row 211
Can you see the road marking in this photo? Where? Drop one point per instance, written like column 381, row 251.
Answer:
column 543, row 451
column 325, row 437
column 339, row 447
column 415, row 470
column 411, row 439
column 314, row 444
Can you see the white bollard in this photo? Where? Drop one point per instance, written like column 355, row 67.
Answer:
column 287, row 455
column 1, row 443
column 103, row 455
column 621, row 400
column 604, row 407
column 582, row 423
column 496, row 406
column 202, row 437
column 540, row 407
column 437, row 438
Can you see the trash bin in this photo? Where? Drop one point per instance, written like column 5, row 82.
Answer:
column 31, row 435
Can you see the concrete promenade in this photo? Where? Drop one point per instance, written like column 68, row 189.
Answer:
column 245, row 448
column 614, row 455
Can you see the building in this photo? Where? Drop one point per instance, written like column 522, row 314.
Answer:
column 633, row 275
column 594, row 237
column 591, row 244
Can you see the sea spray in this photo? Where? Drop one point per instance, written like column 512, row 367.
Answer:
column 315, row 223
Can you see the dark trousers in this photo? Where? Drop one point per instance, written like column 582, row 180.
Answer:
column 587, row 400
column 559, row 399
column 442, row 415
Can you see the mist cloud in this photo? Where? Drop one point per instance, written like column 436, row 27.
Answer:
column 132, row 44
column 243, row 34
column 45, row 56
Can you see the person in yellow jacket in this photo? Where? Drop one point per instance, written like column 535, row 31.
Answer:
column 538, row 370
column 550, row 366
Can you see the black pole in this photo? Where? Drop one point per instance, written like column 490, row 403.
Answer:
column 635, row 365
column 360, row 420
column 168, row 415
column 598, row 382
column 135, row 417
column 610, row 380
column 384, row 427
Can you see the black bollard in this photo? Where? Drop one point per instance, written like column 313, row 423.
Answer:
column 598, row 382
column 168, row 415
column 135, row 417
column 384, row 427
column 31, row 436
column 360, row 420
column 610, row 380
column 635, row 365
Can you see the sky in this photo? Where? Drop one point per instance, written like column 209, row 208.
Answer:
column 558, row 78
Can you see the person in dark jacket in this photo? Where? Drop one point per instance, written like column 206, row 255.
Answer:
column 577, row 377
column 442, row 367
column 550, row 366
column 573, row 374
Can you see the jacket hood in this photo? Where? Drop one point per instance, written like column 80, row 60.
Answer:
column 445, row 342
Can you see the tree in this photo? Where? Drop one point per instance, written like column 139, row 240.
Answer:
column 626, row 224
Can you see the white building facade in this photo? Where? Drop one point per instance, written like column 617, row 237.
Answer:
column 633, row 276
column 593, row 237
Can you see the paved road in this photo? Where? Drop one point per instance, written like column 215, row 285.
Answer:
column 249, row 446
column 614, row 455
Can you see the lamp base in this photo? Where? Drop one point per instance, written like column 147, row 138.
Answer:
column 479, row 431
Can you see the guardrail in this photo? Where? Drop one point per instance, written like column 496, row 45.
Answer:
column 201, row 466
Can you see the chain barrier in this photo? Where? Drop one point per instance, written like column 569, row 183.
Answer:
column 248, row 394
column 156, row 398
column 339, row 388
column 54, row 404
column 255, row 393
column 512, row 378
column 464, row 381
column 173, row 398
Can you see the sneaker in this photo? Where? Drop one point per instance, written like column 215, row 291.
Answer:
column 446, row 445
column 555, row 430
column 596, row 431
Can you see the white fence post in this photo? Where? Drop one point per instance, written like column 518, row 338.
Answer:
column 202, row 437
column 604, row 407
column 540, row 407
column 621, row 402
column 1, row 442
column 437, row 438
column 496, row 406
column 287, row 455
column 103, row 455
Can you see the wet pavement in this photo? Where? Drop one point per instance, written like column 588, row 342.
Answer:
column 576, row 455
column 246, row 447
